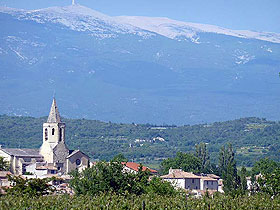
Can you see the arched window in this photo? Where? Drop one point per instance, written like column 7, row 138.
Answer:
column 46, row 134
column 53, row 131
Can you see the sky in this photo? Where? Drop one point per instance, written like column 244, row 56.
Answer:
column 257, row 15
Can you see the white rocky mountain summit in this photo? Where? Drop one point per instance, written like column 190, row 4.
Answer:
column 81, row 18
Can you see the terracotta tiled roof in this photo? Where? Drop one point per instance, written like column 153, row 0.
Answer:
column 214, row 176
column 135, row 167
column 207, row 178
column 177, row 174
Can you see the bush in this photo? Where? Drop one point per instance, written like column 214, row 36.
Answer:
column 29, row 187
column 160, row 187
column 108, row 177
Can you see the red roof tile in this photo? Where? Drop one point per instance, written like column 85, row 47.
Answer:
column 135, row 167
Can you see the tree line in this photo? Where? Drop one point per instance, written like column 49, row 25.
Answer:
column 253, row 138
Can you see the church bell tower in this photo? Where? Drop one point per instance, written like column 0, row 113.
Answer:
column 54, row 149
column 54, row 129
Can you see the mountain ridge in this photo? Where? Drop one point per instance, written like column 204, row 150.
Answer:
column 159, row 25
column 121, row 73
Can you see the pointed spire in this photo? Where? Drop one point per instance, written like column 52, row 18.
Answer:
column 54, row 116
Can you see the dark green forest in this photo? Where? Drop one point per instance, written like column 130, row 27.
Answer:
column 252, row 138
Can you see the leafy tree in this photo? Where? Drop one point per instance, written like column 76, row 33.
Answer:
column 109, row 177
column 160, row 187
column 264, row 166
column 29, row 187
column 184, row 161
column 270, row 183
column 119, row 158
column 228, row 170
column 4, row 165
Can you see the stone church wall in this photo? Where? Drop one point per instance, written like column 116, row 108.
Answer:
column 72, row 162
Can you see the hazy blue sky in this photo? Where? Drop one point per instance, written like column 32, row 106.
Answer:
column 260, row 15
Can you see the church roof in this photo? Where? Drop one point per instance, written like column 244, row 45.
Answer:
column 73, row 152
column 54, row 116
column 22, row 152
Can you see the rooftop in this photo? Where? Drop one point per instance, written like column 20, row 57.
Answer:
column 179, row 174
column 135, row 167
column 54, row 116
column 22, row 152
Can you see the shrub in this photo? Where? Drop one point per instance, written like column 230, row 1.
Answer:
column 29, row 187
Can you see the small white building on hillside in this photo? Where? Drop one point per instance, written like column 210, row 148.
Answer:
column 182, row 179
column 208, row 183
column 191, row 181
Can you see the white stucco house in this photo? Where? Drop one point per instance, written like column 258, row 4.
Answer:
column 191, row 181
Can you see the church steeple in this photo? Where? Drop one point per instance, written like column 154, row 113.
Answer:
column 54, row 149
column 54, row 116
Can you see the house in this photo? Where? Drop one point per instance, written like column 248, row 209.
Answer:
column 182, row 179
column 20, row 158
column 208, row 183
column 41, row 169
column 134, row 168
column 191, row 181
column 53, row 157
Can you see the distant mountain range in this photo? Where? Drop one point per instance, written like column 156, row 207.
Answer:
column 134, row 69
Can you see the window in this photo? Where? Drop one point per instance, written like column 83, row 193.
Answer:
column 60, row 134
column 78, row 162
column 192, row 180
column 46, row 134
column 53, row 131
column 207, row 182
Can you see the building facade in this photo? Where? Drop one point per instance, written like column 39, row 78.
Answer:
column 53, row 156
column 190, row 181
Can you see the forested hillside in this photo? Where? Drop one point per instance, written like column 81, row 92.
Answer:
column 252, row 138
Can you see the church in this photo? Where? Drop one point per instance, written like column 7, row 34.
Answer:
column 53, row 157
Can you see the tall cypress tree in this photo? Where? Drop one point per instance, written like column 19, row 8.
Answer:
column 202, row 154
column 228, row 170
